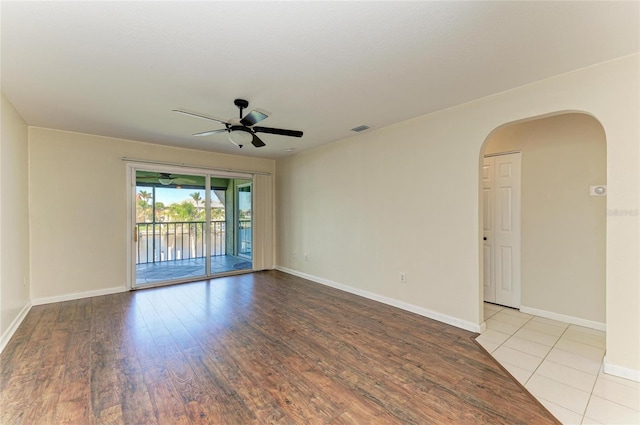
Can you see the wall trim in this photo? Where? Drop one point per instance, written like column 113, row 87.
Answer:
column 449, row 320
column 78, row 295
column 8, row 334
column 564, row 318
column 620, row 371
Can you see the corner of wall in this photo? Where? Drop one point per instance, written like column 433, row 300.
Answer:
column 14, row 221
column 13, row 327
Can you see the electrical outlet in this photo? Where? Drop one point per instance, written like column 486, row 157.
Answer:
column 403, row 277
column 306, row 257
column 293, row 254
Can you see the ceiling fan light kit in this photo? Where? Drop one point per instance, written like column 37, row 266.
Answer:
column 238, row 136
column 165, row 179
column 243, row 130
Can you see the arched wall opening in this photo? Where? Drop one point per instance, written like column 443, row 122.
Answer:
column 563, row 227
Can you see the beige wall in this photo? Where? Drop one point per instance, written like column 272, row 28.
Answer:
column 78, row 206
column 563, row 228
column 406, row 197
column 14, row 217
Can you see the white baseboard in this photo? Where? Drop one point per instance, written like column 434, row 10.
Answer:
column 6, row 336
column 449, row 320
column 78, row 295
column 564, row 318
column 620, row 371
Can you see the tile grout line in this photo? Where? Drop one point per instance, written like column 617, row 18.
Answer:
column 613, row 402
column 592, row 388
column 547, row 355
column 583, row 414
column 510, row 336
column 564, row 334
column 542, row 361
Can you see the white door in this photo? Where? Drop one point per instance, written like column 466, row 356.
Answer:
column 501, row 229
column 487, row 229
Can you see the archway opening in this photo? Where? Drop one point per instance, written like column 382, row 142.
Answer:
column 562, row 221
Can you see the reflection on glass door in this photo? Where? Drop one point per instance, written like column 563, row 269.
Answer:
column 179, row 226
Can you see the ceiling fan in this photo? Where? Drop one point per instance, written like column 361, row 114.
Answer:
column 242, row 130
column 164, row 179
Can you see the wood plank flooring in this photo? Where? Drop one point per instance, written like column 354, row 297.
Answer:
column 258, row 348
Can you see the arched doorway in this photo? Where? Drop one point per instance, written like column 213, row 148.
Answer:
column 563, row 225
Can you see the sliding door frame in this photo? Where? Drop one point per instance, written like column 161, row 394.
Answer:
column 236, row 221
column 131, row 168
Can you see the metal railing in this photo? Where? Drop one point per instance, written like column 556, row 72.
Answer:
column 178, row 240
column 181, row 240
column 244, row 237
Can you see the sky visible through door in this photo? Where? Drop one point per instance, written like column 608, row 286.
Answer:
column 174, row 240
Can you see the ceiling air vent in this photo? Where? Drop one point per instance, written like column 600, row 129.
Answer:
column 360, row 128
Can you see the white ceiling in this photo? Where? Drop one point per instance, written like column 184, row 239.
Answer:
column 119, row 68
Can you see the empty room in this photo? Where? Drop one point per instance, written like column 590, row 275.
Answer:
column 320, row 212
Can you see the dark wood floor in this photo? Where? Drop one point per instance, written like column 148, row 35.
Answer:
column 252, row 349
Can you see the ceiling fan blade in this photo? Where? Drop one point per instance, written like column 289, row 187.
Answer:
column 208, row 133
column 182, row 180
column 253, row 117
column 195, row 114
column 280, row 131
column 257, row 142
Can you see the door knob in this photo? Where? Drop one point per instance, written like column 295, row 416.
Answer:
column 484, row 238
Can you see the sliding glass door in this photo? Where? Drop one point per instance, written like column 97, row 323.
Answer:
column 226, row 256
column 187, row 226
column 243, row 221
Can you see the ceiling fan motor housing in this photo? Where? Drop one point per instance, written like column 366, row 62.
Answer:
column 241, row 103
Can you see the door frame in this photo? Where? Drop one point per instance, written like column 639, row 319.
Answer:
column 237, row 219
column 131, row 168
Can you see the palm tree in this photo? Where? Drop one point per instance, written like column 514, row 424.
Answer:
column 184, row 211
column 160, row 211
column 143, row 204
column 197, row 199
column 145, row 195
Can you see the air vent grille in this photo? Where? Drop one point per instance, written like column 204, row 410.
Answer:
column 360, row 128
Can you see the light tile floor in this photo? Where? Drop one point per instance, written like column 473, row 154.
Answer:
column 561, row 365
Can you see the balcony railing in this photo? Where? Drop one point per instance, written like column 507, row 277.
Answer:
column 178, row 240
column 244, row 237
column 182, row 240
